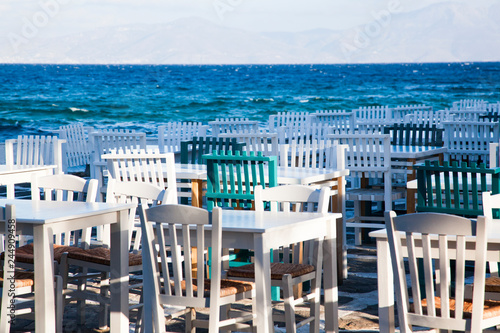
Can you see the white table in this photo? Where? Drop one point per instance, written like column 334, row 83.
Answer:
column 197, row 173
column 44, row 218
column 262, row 231
column 15, row 174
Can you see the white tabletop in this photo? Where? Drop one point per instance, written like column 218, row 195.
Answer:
column 46, row 212
column 415, row 152
column 286, row 175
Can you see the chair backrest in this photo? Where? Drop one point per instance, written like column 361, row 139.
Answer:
column 137, row 192
column 313, row 154
column 440, row 240
column 76, row 151
column 340, row 120
column 428, row 117
column 454, row 189
column 104, row 142
column 288, row 119
column 233, row 125
column 193, row 150
column 415, row 135
column 470, row 140
column 468, row 104
column 172, row 271
column 66, row 187
column 172, row 134
column 267, row 143
column 231, row 179
column 367, row 155
column 293, row 198
column 29, row 150
column 400, row 112
column 373, row 114
column 142, row 166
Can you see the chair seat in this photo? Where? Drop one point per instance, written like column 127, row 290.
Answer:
column 491, row 308
column 374, row 194
column 492, row 284
column 23, row 279
column 277, row 270
column 25, row 253
column 228, row 287
column 102, row 256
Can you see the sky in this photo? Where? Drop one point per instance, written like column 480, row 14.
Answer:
column 61, row 17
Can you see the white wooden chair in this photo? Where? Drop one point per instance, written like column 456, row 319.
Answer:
column 232, row 125
column 368, row 158
column 16, row 286
column 66, row 187
column 297, row 263
column 267, row 143
column 341, row 121
column 470, row 140
column 105, row 142
column 98, row 258
column 142, row 166
column 76, row 151
column 440, row 239
column 32, row 151
column 182, row 228
column 60, row 187
column 171, row 134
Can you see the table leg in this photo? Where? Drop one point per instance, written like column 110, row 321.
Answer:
column 119, row 274
column 45, row 314
column 410, row 194
column 263, row 284
column 330, row 279
column 385, row 288
column 338, row 206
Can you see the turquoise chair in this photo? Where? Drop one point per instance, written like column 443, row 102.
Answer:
column 231, row 179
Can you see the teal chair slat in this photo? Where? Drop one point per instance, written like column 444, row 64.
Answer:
column 231, row 178
column 454, row 189
column 415, row 135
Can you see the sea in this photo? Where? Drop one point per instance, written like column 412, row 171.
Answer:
column 36, row 99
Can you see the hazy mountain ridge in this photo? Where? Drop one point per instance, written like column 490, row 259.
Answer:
column 438, row 33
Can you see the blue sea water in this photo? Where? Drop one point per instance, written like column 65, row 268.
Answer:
column 37, row 99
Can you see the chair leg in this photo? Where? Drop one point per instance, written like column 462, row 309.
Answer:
column 357, row 214
column 190, row 316
column 289, row 303
column 314, row 307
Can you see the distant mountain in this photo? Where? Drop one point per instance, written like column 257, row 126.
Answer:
column 437, row 33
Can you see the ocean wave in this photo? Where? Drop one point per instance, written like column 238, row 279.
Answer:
column 78, row 110
column 259, row 100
